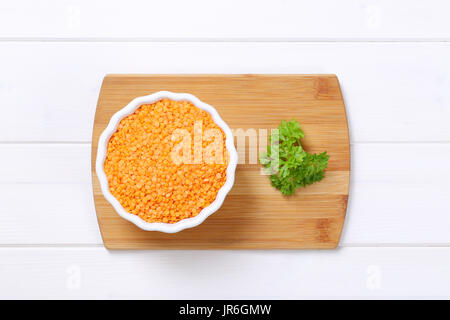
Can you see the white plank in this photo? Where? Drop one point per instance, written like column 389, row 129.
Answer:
column 393, row 91
column 399, row 195
column 256, row 19
column 87, row 273
column 46, row 197
column 40, row 213
column 45, row 163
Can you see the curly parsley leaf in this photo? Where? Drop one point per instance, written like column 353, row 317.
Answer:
column 293, row 167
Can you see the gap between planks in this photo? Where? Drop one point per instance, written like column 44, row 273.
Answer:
column 226, row 40
column 348, row 245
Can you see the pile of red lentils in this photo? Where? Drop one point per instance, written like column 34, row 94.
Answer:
column 140, row 169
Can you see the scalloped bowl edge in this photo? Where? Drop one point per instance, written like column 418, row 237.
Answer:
column 184, row 223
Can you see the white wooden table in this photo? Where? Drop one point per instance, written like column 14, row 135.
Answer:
column 393, row 62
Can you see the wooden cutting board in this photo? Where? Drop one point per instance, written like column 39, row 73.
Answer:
column 254, row 215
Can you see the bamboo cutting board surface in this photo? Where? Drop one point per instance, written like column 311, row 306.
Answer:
column 254, row 215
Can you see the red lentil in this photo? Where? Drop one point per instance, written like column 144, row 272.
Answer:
column 142, row 174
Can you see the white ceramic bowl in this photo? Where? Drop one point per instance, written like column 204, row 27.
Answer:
column 185, row 223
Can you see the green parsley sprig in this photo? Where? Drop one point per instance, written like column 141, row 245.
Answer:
column 293, row 167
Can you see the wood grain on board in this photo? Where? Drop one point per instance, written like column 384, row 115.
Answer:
column 254, row 215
